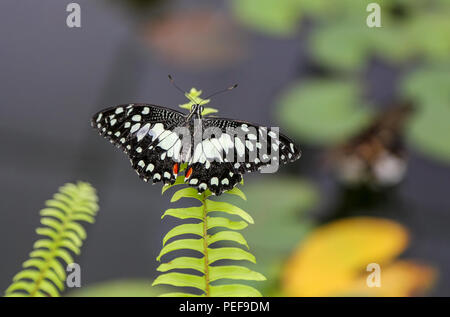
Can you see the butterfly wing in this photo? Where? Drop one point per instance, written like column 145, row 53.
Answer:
column 145, row 133
column 234, row 148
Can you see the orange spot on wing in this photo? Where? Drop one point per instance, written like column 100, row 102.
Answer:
column 188, row 173
column 175, row 169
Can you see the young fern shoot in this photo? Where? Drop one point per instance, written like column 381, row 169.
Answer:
column 44, row 274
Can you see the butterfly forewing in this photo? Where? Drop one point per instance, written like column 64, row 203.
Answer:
column 138, row 129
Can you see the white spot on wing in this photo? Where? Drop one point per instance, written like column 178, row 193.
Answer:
column 135, row 127
column 156, row 130
column 249, row 145
column 239, row 147
column 168, row 141
column 214, row 181
column 142, row 131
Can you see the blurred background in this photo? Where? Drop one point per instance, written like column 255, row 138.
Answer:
column 370, row 108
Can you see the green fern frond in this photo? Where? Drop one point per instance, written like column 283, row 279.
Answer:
column 63, row 235
column 216, row 222
column 213, row 226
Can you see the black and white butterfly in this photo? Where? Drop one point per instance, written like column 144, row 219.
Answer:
column 152, row 137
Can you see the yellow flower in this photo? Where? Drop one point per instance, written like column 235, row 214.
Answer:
column 332, row 261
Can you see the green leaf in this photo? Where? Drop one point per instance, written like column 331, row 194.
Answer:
column 343, row 46
column 49, row 288
column 228, row 208
column 70, row 246
column 209, row 110
column 27, row 274
column 58, row 204
column 51, row 212
column 323, row 111
column 234, row 290
column 228, row 236
column 215, row 254
column 47, row 232
column 236, row 191
column 191, row 244
column 184, row 213
column 51, row 276
column 64, row 255
column 20, row 286
column 178, row 294
column 77, row 228
column 187, row 228
column 70, row 235
column 82, row 217
column 52, row 223
column 43, row 243
column 188, row 192
column 429, row 127
column 214, row 222
column 180, row 279
column 435, row 45
column 234, row 272
column 183, row 263
column 57, row 267
column 178, row 181
column 279, row 18
column 44, row 254
column 37, row 263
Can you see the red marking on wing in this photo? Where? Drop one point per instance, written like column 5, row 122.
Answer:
column 188, row 173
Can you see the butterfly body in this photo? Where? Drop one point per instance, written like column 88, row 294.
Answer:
column 160, row 141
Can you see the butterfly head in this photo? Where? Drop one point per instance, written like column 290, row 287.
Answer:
column 196, row 111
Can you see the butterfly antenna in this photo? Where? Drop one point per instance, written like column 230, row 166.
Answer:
column 220, row 91
column 172, row 81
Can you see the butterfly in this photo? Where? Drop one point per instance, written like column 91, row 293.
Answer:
column 214, row 152
column 377, row 155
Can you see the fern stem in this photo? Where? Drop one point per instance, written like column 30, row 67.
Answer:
column 205, row 244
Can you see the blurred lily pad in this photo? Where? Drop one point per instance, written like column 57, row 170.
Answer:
column 342, row 45
column 323, row 111
column 118, row 288
column 273, row 17
column 429, row 129
column 431, row 34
